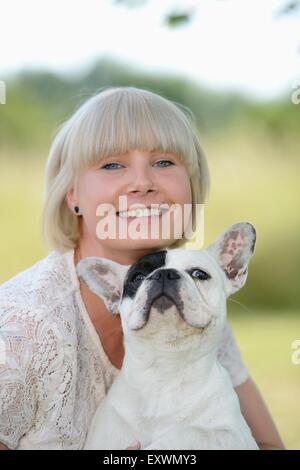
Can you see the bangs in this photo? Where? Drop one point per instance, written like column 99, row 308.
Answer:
column 118, row 121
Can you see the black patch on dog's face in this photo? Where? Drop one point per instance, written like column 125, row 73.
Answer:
column 145, row 265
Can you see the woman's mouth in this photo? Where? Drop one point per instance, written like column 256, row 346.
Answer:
column 142, row 213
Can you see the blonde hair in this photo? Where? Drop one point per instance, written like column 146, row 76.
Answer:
column 112, row 122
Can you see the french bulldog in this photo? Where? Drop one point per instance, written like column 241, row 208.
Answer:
column 172, row 392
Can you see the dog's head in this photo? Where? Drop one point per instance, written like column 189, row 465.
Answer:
column 173, row 295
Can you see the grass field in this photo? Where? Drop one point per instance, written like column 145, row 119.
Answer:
column 262, row 187
column 21, row 198
column 265, row 340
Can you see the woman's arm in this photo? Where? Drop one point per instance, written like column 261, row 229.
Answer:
column 3, row 447
column 258, row 417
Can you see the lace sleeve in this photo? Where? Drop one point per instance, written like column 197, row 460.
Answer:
column 18, row 373
column 230, row 357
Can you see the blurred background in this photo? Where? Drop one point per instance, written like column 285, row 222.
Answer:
column 235, row 64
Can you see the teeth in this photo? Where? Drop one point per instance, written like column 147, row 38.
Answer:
column 141, row 213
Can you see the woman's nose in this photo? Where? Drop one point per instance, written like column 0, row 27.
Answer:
column 141, row 181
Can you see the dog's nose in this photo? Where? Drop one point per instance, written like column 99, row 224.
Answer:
column 164, row 275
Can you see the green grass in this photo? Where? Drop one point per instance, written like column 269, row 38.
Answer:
column 21, row 196
column 265, row 340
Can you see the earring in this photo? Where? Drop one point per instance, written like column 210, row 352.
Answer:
column 76, row 209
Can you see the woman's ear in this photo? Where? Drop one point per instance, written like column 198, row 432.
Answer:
column 233, row 250
column 70, row 199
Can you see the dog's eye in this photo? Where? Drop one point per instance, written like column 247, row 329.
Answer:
column 200, row 274
column 138, row 277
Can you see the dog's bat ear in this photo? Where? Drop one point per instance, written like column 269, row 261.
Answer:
column 233, row 250
column 105, row 278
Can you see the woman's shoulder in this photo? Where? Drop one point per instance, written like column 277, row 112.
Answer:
column 42, row 285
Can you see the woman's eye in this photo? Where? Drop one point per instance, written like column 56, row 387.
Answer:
column 200, row 274
column 108, row 164
column 165, row 161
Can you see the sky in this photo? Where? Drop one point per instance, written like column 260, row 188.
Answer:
column 230, row 44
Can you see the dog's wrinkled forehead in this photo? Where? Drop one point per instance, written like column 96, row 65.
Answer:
column 185, row 260
column 145, row 266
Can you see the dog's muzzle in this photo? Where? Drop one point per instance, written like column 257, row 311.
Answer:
column 164, row 276
column 164, row 289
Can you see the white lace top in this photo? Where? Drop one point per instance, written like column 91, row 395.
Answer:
column 53, row 369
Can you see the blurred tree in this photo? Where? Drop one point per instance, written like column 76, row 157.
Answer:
column 183, row 15
column 176, row 17
column 39, row 100
column 290, row 7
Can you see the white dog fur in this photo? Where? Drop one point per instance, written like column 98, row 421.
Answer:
column 171, row 392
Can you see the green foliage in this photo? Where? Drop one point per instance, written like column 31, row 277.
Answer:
column 177, row 19
column 185, row 15
column 38, row 101
column 24, row 121
column 265, row 341
column 290, row 7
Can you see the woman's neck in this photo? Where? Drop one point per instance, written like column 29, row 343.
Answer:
column 124, row 257
column 87, row 246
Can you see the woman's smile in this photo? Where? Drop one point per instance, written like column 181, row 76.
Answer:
column 144, row 213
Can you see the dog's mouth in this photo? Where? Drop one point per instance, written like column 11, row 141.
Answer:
column 162, row 303
column 203, row 328
column 165, row 301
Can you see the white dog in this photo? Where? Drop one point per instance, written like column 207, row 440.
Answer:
column 172, row 393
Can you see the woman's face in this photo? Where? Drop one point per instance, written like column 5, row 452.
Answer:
column 142, row 178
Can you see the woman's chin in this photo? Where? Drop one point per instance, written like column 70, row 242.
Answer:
column 139, row 245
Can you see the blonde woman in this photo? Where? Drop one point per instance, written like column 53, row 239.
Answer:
column 63, row 348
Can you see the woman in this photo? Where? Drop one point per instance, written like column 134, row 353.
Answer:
column 63, row 348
